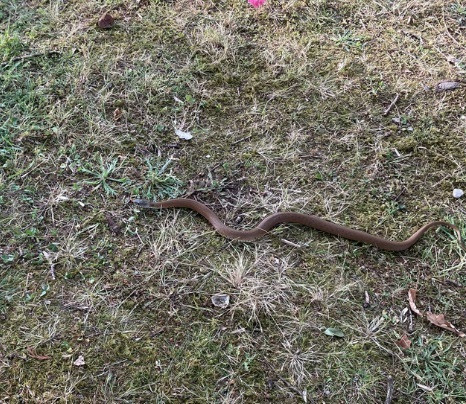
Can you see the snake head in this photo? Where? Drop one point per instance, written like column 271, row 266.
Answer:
column 143, row 203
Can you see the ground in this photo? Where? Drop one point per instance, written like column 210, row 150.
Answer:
column 289, row 109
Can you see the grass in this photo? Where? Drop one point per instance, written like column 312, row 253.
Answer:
column 286, row 106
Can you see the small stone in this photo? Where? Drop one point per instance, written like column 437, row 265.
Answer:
column 447, row 86
column 458, row 193
column 106, row 21
column 183, row 135
column 221, row 300
column 80, row 361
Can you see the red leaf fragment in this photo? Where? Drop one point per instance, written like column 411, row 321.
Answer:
column 404, row 342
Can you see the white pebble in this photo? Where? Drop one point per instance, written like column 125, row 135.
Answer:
column 458, row 193
column 183, row 135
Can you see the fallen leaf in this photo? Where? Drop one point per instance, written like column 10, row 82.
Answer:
column 79, row 361
column 334, row 332
column 221, row 300
column 412, row 299
column 404, row 342
column 439, row 321
column 447, row 86
column 106, row 21
column 32, row 353
column 183, row 135
column 117, row 114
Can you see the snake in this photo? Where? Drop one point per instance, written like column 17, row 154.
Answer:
column 314, row 222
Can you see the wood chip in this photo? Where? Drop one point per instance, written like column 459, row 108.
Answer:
column 290, row 243
column 367, row 301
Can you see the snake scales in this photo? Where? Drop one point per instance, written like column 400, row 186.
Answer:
column 314, row 222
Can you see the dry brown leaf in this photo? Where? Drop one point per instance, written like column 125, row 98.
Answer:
column 404, row 342
column 412, row 301
column 117, row 114
column 32, row 353
column 439, row 321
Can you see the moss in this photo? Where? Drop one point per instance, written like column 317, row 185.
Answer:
column 406, row 144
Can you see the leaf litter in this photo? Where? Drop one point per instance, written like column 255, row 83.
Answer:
column 404, row 342
column 435, row 319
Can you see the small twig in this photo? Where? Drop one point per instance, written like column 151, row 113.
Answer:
column 290, row 243
column 448, row 282
column 242, row 139
column 400, row 193
column 33, row 55
column 32, row 353
column 389, row 397
column 395, row 100
column 410, row 324
column 367, row 301
column 52, row 271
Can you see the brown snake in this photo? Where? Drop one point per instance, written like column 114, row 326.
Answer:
column 314, row 222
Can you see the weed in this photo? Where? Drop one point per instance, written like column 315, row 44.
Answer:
column 459, row 9
column 10, row 45
column 350, row 40
column 160, row 182
column 103, row 175
column 436, row 369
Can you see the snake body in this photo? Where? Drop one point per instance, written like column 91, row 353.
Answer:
column 312, row 221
